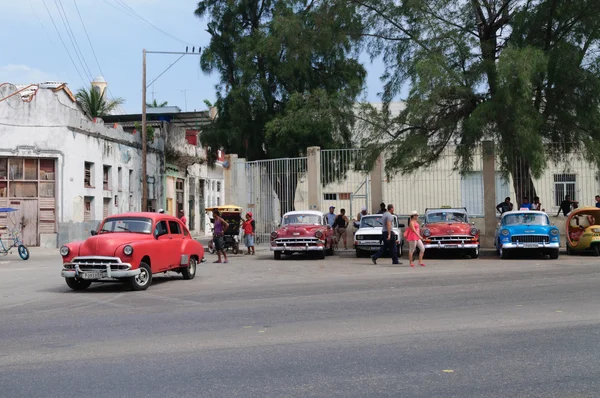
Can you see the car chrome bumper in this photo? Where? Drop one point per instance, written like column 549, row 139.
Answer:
column 540, row 245
column 451, row 246
column 77, row 272
column 303, row 248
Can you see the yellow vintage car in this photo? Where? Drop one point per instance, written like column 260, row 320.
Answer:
column 583, row 231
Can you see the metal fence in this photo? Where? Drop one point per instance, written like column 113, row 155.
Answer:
column 274, row 187
column 345, row 181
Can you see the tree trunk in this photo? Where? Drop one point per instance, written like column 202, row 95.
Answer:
column 522, row 182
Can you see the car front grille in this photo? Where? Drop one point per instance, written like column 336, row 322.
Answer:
column 297, row 241
column 98, row 263
column 450, row 238
column 530, row 238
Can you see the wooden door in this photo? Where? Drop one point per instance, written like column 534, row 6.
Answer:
column 25, row 219
column 170, row 206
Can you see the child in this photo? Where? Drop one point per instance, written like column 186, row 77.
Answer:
column 249, row 226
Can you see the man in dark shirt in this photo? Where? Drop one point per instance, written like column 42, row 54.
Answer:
column 505, row 206
column 382, row 208
column 565, row 206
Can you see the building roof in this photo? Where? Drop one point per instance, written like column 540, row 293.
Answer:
column 188, row 120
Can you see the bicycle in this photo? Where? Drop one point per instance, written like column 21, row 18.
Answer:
column 16, row 242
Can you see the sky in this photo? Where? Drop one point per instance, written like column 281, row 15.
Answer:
column 33, row 52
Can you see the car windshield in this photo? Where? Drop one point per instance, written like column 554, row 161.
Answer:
column 446, row 216
column 136, row 225
column 373, row 222
column 301, row 219
column 525, row 219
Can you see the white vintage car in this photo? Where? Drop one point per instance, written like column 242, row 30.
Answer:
column 367, row 239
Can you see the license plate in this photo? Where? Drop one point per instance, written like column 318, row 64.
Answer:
column 375, row 247
column 530, row 245
column 451, row 246
column 90, row 275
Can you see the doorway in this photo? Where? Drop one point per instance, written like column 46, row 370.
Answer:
column 25, row 220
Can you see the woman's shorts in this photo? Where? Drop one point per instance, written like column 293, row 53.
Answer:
column 219, row 243
column 340, row 231
column 249, row 240
column 413, row 244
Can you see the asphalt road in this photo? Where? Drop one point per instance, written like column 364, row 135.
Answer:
column 339, row 327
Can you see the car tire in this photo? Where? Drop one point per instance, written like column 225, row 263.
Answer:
column 474, row 253
column 189, row 272
column 143, row 280
column 321, row 254
column 504, row 254
column 569, row 250
column 331, row 250
column 236, row 248
column 277, row 255
column 554, row 254
column 359, row 253
column 78, row 284
column 596, row 250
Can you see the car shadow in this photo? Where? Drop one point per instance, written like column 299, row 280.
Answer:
column 111, row 286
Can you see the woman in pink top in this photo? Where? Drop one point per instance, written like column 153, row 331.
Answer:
column 414, row 238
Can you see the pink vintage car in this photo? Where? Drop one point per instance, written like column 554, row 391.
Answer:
column 132, row 247
column 303, row 231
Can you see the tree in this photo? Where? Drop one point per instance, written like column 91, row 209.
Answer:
column 288, row 78
column 524, row 73
column 94, row 104
column 155, row 104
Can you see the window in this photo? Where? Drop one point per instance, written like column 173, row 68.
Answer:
column 31, row 169
column 116, row 200
column 564, row 184
column 47, row 169
column 3, row 168
column 88, row 208
column 15, row 169
column 120, row 178
column 161, row 228
column 106, row 183
column 131, row 181
column 218, row 187
column 131, row 207
column 88, row 178
column 23, row 189
column 330, row 196
column 344, row 196
column 3, row 187
column 106, row 208
column 175, row 228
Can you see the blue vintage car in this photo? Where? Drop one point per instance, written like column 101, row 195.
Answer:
column 526, row 230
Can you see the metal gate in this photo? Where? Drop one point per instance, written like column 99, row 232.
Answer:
column 274, row 187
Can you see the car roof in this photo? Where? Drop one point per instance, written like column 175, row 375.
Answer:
column 309, row 212
column 508, row 213
column 445, row 210
column 375, row 215
column 152, row 216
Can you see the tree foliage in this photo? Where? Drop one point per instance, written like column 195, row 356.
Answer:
column 524, row 73
column 155, row 104
column 94, row 104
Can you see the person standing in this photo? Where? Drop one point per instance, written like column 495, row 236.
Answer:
column 182, row 217
column 331, row 216
column 220, row 228
column 414, row 238
column 525, row 203
column 363, row 212
column 249, row 226
column 598, row 201
column 536, row 205
column 505, row 206
column 388, row 237
column 565, row 206
column 381, row 208
column 340, row 224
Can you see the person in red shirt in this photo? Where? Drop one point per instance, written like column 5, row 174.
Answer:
column 248, row 227
column 182, row 217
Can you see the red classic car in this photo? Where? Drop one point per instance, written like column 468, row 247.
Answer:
column 303, row 231
column 449, row 229
column 131, row 247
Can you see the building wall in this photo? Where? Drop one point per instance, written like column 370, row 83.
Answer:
column 52, row 126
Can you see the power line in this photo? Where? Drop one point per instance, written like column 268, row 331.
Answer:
column 74, row 43
column 41, row 23
column 134, row 14
column 177, row 60
column 63, row 42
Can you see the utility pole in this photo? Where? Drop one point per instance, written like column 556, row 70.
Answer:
column 144, row 132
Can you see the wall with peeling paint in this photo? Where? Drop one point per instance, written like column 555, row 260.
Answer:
column 51, row 125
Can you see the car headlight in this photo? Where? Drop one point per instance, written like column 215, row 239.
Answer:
column 274, row 235
column 64, row 251
column 426, row 232
column 128, row 250
column 505, row 232
column 554, row 232
column 474, row 231
column 318, row 234
column 359, row 237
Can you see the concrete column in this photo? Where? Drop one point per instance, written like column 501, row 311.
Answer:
column 241, row 184
column 229, row 179
column 314, row 178
column 489, row 194
column 376, row 185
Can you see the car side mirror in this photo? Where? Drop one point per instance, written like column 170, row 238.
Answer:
column 401, row 225
column 93, row 232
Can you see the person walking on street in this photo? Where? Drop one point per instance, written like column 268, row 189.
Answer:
column 220, row 228
column 249, row 226
column 414, row 238
column 340, row 224
column 388, row 237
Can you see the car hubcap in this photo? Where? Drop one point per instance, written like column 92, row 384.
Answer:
column 192, row 266
column 142, row 278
